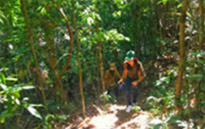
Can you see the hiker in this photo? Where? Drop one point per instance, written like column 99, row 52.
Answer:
column 111, row 77
column 133, row 74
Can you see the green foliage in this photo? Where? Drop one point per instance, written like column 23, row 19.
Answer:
column 166, row 123
column 51, row 119
column 105, row 97
column 162, row 97
column 11, row 101
column 136, row 108
column 2, row 17
column 33, row 111
column 149, row 27
column 195, row 75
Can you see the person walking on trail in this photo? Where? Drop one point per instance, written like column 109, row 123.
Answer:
column 133, row 74
column 111, row 75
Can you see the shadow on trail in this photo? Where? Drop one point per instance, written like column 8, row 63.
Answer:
column 123, row 117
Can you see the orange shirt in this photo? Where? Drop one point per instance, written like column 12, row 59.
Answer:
column 134, row 69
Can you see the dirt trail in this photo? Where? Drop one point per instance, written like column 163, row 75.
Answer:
column 114, row 117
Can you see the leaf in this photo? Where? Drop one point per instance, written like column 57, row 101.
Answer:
column 6, row 114
column 27, row 87
column 158, row 83
column 63, row 56
column 3, row 79
column 36, row 105
column 11, row 79
column 157, row 126
column 151, row 98
column 137, row 108
column 90, row 21
column 2, row 120
column 127, row 39
column 3, row 87
column 17, row 101
column 117, row 14
column 34, row 112
column 167, row 80
column 67, row 37
column 1, row 21
column 179, row 6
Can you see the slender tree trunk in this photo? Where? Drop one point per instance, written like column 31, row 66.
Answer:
column 62, row 93
column 99, row 45
column 79, row 64
column 26, row 18
column 98, row 72
column 101, row 67
column 70, row 35
column 201, row 24
column 182, row 57
column 101, row 59
column 52, row 55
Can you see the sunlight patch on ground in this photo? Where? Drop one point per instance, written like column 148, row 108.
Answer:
column 106, row 119
column 104, row 122
column 116, row 107
column 139, row 122
column 115, row 117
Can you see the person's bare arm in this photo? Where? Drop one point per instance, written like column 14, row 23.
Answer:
column 141, row 75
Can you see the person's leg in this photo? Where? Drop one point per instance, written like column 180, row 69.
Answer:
column 134, row 89
column 127, row 91
column 135, row 92
column 116, row 91
column 109, row 90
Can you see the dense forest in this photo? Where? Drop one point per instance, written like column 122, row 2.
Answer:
column 54, row 55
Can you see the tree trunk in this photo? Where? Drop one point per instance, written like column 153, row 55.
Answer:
column 27, row 22
column 51, row 57
column 62, row 93
column 182, row 57
column 100, row 58
column 79, row 64
column 201, row 24
column 101, row 67
column 71, row 38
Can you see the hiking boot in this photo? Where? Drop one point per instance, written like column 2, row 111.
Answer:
column 128, row 108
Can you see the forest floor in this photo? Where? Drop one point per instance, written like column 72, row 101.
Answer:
column 112, row 115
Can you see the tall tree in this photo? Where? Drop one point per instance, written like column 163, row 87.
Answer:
column 201, row 24
column 99, row 46
column 27, row 22
column 79, row 63
column 182, row 56
column 65, row 67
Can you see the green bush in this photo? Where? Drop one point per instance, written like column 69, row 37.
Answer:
column 12, row 103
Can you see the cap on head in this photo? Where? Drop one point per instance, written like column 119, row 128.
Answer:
column 130, row 55
column 112, row 66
